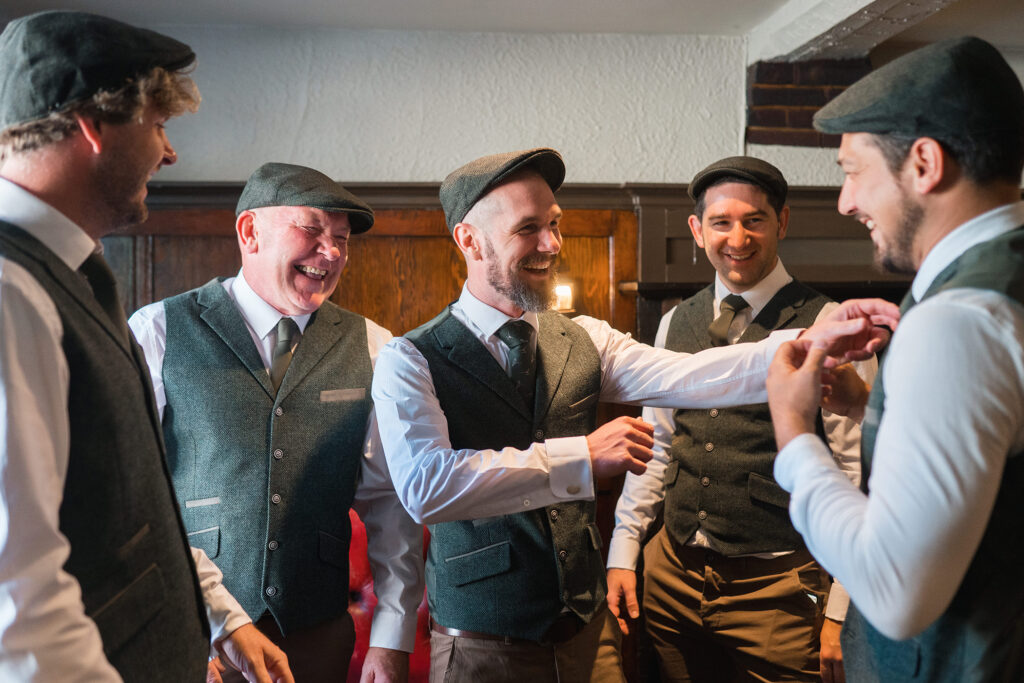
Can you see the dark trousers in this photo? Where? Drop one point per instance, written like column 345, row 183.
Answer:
column 318, row 654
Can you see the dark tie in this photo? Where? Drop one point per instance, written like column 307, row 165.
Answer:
column 719, row 328
column 104, row 289
column 287, row 337
column 522, row 367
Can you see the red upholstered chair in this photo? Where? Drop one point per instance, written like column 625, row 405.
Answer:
column 361, row 604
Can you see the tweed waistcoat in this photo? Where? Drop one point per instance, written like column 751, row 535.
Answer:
column 128, row 548
column 512, row 574
column 980, row 636
column 720, row 478
column 265, row 481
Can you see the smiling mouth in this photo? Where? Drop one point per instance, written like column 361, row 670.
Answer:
column 737, row 257
column 869, row 224
column 312, row 272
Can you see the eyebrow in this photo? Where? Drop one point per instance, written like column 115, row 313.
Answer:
column 749, row 214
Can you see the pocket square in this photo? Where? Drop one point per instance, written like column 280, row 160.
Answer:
column 332, row 395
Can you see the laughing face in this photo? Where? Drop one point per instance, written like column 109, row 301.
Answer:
column 292, row 256
column 740, row 233
column 133, row 152
column 881, row 201
column 521, row 242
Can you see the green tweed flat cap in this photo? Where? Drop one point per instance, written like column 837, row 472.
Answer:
column 466, row 185
column 757, row 171
column 952, row 88
column 277, row 184
column 50, row 60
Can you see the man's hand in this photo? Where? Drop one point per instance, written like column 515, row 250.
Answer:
column 845, row 392
column 622, row 445
column 213, row 671
column 622, row 587
column 855, row 329
column 794, row 388
column 831, row 653
column 252, row 653
column 383, row 665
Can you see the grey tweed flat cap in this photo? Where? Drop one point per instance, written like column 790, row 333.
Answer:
column 467, row 184
column 952, row 88
column 51, row 60
column 757, row 171
column 278, row 184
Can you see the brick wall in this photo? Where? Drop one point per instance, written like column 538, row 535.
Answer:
column 782, row 97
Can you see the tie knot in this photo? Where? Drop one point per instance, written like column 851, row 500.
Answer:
column 733, row 302
column 286, row 330
column 515, row 333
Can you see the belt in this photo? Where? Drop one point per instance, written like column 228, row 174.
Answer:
column 564, row 628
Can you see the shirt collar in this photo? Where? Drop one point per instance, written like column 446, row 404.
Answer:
column 487, row 318
column 57, row 232
column 983, row 228
column 758, row 296
column 261, row 316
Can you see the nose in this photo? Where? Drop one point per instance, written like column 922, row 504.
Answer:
column 550, row 241
column 328, row 246
column 738, row 236
column 847, row 206
column 170, row 156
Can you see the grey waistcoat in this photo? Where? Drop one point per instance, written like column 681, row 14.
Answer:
column 265, row 483
column 980, row 636
column 511, row 575
column 720, row 478
column 128, row 548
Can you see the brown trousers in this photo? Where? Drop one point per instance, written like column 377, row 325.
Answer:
column 459, row 660
column 318, row 654
column 718, row 619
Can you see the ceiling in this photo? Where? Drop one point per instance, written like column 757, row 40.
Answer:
column 999, row 21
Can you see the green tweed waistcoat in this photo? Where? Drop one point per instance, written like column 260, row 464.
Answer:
column 511, row 575
column 720, row 478
column 128, row 548
column 980, row 636
column 265, row 482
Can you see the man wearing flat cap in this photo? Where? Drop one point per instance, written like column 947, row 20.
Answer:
column 489, row 420
column 930, row 548
column 724, row 512
column 263, row 386
column 96, row 580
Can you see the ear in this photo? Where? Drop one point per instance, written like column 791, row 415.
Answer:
column 783, row 222
column 245, row 227
column 926, row 164
column 469, row 242
column 698, row 235
column 90, row 131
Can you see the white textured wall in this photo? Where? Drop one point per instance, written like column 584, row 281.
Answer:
column 412, row 106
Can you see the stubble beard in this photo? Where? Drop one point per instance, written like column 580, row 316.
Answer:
column 898, row 256
column 528, row 297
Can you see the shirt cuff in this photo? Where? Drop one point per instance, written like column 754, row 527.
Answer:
column 838, row 602
column 224, row 613
column 623, row 553
column 570, row 474
column 805, row 453
column 393, row 631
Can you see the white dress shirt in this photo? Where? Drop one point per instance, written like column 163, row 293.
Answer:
column 954, row 412
column 438, row 483
column 395, row 542
column 643, row 495
column 44, row 631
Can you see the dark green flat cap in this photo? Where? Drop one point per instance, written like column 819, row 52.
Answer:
column 952, row 88
column 757, row 171
column 51, row 60
column 466, row 185
column 277, row 184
